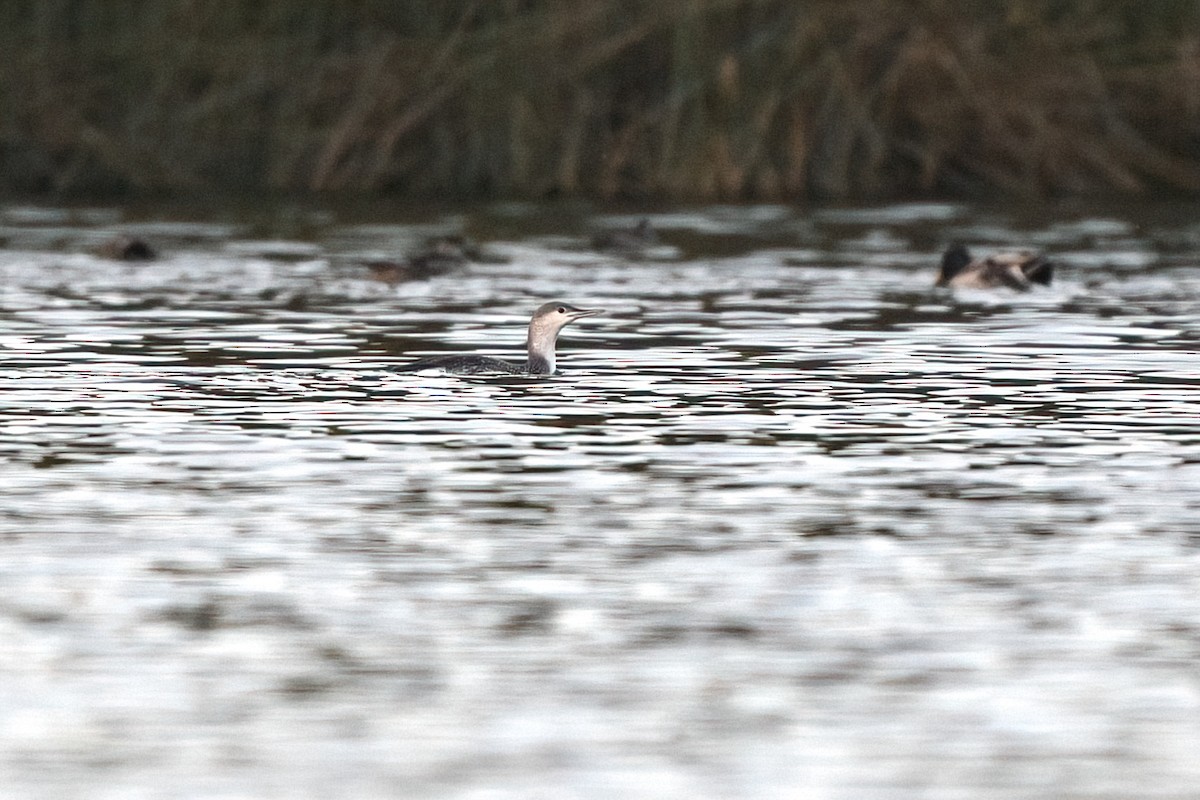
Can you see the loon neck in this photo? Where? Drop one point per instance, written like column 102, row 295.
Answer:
column 540, row 345
column 540, row 362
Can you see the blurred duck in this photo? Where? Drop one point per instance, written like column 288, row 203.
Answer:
column 1016, row 270
column 440, row 256
column 627, row 240
column 126, row 248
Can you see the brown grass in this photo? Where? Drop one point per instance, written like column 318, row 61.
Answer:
column 676, row 99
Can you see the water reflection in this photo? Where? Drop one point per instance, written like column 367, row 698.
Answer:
column 788, row 521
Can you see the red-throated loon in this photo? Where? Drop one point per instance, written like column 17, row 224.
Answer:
column 547, row 321
column 1015, row 270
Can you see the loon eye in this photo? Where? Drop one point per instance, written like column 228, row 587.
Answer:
column 561, row 310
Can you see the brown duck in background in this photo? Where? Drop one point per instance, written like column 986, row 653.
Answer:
column 440, row 256
column 1015, row 270
column 627, row 241
column 126, row 248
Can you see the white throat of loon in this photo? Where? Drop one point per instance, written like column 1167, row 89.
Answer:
column 543, row 333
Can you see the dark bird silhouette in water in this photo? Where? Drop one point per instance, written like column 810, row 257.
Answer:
column 626, row 240
column 126, row 248
column 547, row 321
column 440, row 256
column 1016, row 270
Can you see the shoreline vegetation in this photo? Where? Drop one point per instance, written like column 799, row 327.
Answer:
column 677, row 100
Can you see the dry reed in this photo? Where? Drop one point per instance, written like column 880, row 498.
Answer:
column 676, row 99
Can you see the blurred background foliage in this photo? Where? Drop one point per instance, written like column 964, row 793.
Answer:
column 608, row 99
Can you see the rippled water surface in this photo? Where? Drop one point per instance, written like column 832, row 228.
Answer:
column 788, row 524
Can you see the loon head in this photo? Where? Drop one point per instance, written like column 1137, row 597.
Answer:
column 548, row 320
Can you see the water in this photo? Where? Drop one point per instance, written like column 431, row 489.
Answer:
column 789, row 524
